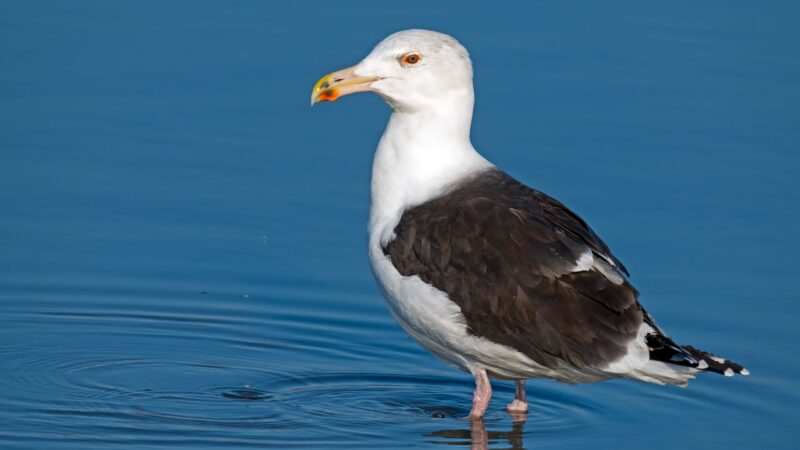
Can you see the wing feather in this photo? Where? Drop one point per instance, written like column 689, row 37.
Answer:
column 509, row 257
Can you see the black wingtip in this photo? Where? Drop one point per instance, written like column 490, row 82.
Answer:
column 715, row 363
column 663, row 348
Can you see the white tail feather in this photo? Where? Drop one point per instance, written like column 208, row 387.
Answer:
column 662, row 373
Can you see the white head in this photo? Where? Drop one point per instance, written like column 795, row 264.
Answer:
column 413, row 70
column 426, row 77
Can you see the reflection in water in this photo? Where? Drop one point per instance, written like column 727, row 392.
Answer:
column 478, row 438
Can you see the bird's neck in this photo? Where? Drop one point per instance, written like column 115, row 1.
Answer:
column 420, row 155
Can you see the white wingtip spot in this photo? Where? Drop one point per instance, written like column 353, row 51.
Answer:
column 718, row 359
column 702, row 364
column 744, row 372
column 728, row 372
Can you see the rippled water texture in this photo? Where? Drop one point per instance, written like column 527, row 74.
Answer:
column 183, row 241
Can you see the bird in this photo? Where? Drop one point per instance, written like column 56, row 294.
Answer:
column 491, row 276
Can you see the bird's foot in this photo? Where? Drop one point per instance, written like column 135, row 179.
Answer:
column 517, row 407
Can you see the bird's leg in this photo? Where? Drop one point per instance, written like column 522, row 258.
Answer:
column 520, row 403
column 482, row 395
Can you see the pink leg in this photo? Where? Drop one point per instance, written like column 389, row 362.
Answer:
column 520, row 403
column 482, row 395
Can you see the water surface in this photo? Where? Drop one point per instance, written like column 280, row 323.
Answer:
column 183, row 241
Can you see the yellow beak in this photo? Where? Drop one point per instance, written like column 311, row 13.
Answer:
column 338, row 84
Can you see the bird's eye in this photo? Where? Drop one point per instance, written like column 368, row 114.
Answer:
column 410, row 59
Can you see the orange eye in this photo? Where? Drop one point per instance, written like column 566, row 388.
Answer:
column 411, row 59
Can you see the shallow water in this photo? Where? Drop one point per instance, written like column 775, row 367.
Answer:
column 183, row 240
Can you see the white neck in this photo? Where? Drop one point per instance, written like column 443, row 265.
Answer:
column 420, row 155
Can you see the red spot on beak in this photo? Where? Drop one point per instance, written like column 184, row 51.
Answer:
column 328, row 95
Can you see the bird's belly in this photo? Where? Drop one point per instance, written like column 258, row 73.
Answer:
column 436, row 323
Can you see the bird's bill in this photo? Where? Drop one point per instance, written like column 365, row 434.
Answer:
column 338, row 84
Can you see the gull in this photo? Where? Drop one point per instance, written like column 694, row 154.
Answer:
column 489, row 275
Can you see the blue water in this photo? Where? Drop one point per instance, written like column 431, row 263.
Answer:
column 183, row 240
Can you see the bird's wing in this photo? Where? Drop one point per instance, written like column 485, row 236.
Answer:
column 525, row 271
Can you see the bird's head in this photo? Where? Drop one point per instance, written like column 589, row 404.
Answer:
column 412, row 70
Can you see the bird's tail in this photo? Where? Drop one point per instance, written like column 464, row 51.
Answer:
column 715, row 363
column 675, row 364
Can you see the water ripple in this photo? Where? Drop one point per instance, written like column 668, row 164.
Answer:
column 274, row 371
column 207, row 395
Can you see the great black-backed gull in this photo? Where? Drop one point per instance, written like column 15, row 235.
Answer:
column 491, row 276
